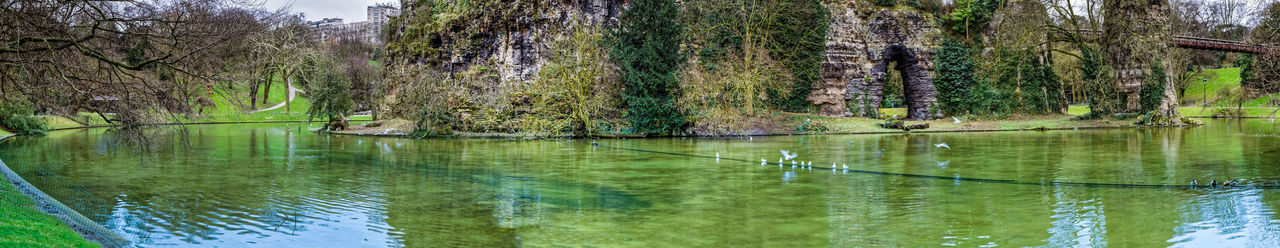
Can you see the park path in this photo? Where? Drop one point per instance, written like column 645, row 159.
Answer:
column 292, row 93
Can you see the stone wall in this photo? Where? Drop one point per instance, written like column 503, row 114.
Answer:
column 862, row 41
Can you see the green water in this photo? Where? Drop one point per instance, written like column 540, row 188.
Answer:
column 276, row 185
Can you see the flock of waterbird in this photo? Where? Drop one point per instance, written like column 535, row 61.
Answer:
column 791, row 156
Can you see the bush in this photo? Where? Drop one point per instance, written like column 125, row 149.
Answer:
column 812, row 126
column 18, row 118
column 577, row 85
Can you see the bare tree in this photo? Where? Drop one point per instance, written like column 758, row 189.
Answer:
column 135, row 59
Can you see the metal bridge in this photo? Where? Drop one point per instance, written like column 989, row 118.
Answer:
column 1199, row 43
column 1222, row 45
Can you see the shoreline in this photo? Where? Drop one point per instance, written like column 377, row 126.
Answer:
column 853, row 126
column 69, row 218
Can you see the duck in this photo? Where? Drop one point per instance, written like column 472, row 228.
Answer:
column 593, row 143
column 1213, row 183
column 1193, row 182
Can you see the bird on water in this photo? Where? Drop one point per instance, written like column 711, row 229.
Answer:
column 789, row 155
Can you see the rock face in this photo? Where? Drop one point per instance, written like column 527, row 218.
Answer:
column 507, row 39
column 862, row 43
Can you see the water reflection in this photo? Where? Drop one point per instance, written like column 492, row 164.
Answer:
column 277, row 185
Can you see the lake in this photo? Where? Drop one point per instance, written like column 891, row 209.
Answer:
column 276, row 185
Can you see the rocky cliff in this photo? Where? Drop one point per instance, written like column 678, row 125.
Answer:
column 504, row 40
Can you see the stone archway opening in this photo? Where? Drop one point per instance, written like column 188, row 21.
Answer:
column 917, row 89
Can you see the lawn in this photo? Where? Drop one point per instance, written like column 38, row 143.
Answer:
column 1217, row 79
column 21, row 225
column 4, row 133
column 1256, row 112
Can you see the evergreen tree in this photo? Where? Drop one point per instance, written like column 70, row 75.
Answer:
column 646, row 48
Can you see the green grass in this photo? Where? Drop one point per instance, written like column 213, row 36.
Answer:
column 21, row 225
column 60, row 122
column 1218, row 79
column 4, row 133
column 1256, row 112
column 1077, row 110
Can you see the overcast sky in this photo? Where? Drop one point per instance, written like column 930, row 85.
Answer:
column 349, row 10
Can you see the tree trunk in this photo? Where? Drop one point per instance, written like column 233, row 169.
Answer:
column 253, row 94
column 266, row 90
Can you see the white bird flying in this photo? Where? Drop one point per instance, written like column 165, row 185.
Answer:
column 789, row 155
column 943, row 145
column 957, row 120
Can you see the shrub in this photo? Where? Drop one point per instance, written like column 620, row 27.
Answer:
column 577, row 85
column 18, row 118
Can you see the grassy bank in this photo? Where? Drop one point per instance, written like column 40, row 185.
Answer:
column 21, row 225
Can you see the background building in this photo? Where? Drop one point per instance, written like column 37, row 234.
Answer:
column 371, row 30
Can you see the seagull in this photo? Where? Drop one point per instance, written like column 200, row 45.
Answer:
column 833, row 166
column 943, row 145
column 763, row 162
column 844, row 165
column 789, row 155
column 717, row 157
column 957, row 120
column 779, row 160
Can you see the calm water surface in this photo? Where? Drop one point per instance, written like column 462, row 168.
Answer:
column 276, row 185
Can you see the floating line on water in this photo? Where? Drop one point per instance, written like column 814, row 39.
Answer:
column 968, row 179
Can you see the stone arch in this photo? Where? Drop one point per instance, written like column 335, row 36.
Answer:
column 918, row 91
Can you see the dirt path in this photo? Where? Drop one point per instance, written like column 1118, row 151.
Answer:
column 293, row 92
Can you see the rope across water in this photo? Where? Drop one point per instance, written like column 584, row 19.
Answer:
column 1273, row 185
